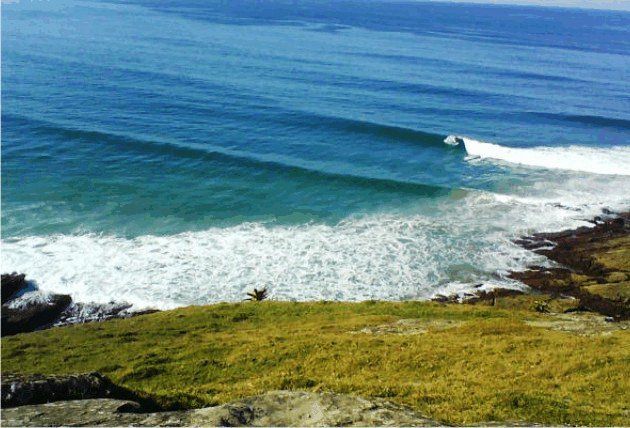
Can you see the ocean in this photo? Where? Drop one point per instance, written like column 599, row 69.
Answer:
column 176, row 152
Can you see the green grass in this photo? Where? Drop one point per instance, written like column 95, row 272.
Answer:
column 490, row 366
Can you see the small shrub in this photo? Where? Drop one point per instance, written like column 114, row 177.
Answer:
column 257, row 295
column 541, row 306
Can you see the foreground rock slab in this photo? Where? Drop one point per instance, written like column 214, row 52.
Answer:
column 21, row 390
column 287, row 408
column 277, row 408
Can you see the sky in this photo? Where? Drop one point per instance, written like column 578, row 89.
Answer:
column 588, row 4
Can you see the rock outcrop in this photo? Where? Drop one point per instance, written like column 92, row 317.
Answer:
column 34, row 314
column 11, row 284
column 595, row 265
column 20, row 390
column 295, row 408
column 277, row 408
column 25, row 309
column 89, row 412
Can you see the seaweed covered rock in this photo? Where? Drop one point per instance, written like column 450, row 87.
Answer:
column 595, row 265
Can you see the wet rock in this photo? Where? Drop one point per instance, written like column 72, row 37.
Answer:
column 33, row 315
column 595, row 265
column 78, row 313
column 441, row 298
column 25, row 308
column 11, row 284
column 478, row 295
column 492, row 295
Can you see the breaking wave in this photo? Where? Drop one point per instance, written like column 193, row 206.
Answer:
column 608, row 161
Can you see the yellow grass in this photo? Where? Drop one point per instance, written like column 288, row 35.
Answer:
column 459, row 364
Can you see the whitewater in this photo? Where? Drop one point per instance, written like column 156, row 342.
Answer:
column 462, row 242
column 609, row 161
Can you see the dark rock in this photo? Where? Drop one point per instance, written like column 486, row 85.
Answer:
column 34, row 314
column 582, row 252
column 11, row 284
column 37, row 389
column 478, row 296
column 492, row 295
column 79, row 313
column 25, row 308
column 440, row 298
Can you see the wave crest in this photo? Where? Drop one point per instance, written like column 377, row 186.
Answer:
column 608, row 161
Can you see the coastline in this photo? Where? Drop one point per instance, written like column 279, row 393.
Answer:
column 428, row 357
column 279, row 213
column 590, row 271
column 593, row 265
column 584, row 271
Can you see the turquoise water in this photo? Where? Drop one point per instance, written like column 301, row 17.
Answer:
column 177, row 152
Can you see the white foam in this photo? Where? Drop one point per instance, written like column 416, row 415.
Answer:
column 447, row 245
column 608, row 161
column 379, row 257
column 460, row 243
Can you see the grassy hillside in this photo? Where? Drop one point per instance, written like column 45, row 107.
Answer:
column 457, row 363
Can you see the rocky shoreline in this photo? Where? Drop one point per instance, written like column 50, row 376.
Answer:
column 593, row 265
column 591, row 277
column 25, row 309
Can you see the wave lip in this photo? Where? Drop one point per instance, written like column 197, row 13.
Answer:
column 607, row 161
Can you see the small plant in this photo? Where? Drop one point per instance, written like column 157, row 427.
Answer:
column 257, row 295
column 541, row 306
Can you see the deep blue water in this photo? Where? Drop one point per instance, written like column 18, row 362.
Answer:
column 175, row 152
